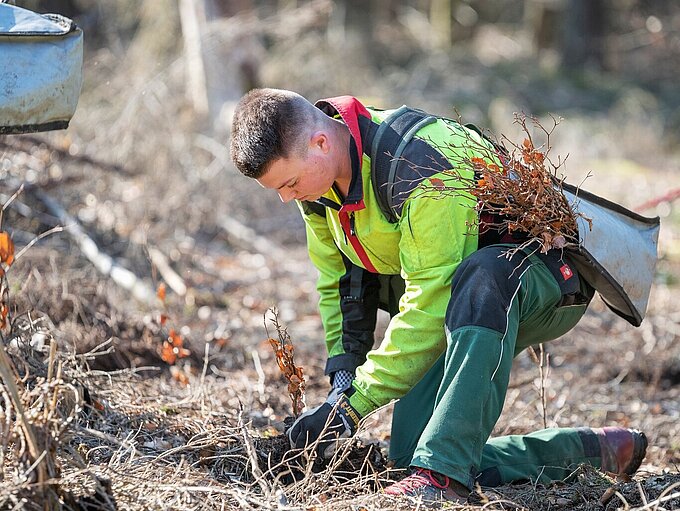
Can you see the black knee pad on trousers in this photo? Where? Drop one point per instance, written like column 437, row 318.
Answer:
column 483, row 287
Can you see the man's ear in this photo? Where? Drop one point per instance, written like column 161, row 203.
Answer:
column 320, row 140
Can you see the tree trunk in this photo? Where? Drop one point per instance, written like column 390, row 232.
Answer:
column 583, row 30
column 542, row 20
column 440, row 19
column 218, row 72
column 192, row 17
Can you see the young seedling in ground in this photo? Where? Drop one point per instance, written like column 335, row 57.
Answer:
column 283, row 349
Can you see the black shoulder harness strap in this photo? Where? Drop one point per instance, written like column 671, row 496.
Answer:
column 387, row 146
column 388, row 143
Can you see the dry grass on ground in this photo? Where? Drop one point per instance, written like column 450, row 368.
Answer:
column 138, row 439
column 122, row 428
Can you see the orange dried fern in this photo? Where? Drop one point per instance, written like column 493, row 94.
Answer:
column 284, row 352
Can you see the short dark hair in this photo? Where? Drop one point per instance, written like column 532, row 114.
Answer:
column 267, row 125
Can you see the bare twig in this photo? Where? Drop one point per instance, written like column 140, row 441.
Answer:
column 35, row 240
column 669, row 197
column 665, row 497
column 169, row 275
column 542, row 360
column 252, row 456
column 9, row 201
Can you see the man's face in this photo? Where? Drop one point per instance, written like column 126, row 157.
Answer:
column 298, row 177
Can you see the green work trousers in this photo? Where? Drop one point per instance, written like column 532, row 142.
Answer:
column 445, row 421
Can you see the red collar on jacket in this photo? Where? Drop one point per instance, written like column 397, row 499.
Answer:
column 349, row 108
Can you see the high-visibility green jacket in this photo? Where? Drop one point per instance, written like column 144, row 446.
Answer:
column 351, row 243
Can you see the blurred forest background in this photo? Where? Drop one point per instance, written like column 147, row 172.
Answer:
column 144, row 171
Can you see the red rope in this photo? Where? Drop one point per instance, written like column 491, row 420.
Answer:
column 667, row 197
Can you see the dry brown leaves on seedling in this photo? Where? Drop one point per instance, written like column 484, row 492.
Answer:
column 173, row 348
column 173, row 345
column 160, row 292
column 517, row 191
column 6, row 250
column 6, row 260
column 284, row 351
column 525, row 193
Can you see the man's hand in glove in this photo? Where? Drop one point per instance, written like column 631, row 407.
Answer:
column 334, row 419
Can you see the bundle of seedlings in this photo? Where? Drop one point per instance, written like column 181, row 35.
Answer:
column 524, row 194
column 517, row 188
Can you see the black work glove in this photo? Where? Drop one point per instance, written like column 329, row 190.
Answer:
column 327, row 423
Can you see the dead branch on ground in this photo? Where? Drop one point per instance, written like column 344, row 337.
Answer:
column 102, row 261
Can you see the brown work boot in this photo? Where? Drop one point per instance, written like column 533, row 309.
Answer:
column 429, row 486
column 622, row 450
